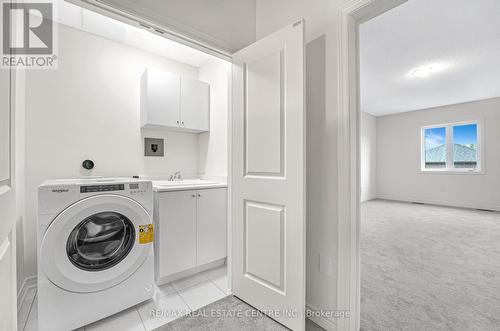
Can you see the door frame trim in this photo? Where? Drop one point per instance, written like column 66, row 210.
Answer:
column 229, row 211
column 348, row 280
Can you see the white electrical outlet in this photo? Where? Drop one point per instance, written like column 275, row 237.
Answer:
column 325, row 264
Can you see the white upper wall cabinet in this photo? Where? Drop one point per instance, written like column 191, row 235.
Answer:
column 173, row 102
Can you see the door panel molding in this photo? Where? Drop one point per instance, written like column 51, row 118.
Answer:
column 276, row 240
column 267, row 140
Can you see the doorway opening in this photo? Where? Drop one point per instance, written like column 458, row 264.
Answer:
column 413, row 142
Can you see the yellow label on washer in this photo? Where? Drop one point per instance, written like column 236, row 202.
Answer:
column 146, row 233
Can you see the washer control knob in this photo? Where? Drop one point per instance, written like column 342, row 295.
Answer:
column 88, row 164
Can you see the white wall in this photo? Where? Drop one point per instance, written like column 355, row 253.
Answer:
column 321, row 22
column 212, row 157
column 368, row 152
column 398, row 165
column 89, row 108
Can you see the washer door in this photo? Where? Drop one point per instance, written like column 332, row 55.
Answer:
column 93, row 244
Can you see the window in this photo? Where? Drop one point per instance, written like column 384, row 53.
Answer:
column 435, row 148
column 465, row 146
column 451, row 147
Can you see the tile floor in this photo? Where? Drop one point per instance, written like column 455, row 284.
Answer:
column 169, row 302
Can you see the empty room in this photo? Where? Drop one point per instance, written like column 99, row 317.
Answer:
column 430, row 167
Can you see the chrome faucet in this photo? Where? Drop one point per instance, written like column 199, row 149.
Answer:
column 176, row 176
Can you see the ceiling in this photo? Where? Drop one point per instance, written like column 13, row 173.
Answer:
column 454, row 44
column 91, row 22
column 228, row 25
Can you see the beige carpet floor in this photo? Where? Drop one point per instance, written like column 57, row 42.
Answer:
column 429, row 268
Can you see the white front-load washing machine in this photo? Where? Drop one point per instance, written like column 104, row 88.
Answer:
column 95, row 249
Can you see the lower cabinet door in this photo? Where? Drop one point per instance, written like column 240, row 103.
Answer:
column 177, row 232
column 211, row 226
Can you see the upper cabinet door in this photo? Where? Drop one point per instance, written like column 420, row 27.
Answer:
column 195, row 105
column 160, row 99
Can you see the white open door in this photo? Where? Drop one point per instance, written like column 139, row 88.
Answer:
column 8, row 320
column 268, row 185
column 9, row 83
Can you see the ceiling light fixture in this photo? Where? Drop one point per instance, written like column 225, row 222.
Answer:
column 427, row 70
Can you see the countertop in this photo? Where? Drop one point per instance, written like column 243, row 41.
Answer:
column 187, row 184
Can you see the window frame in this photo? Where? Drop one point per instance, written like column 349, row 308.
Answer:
column 450, row 169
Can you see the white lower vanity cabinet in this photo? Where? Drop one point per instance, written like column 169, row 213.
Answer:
column 190, row 232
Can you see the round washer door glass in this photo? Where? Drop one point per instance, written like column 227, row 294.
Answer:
column 100, row 241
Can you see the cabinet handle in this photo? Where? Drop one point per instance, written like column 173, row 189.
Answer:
column 194, row 195
column 178, row 122
column 199, row 195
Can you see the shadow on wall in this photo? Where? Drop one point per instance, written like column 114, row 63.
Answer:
column 212, row 145
column 321, row 180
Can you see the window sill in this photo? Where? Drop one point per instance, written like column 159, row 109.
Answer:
column 452, row 172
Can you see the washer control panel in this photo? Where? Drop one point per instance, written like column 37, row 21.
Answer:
column 102, row 188
column 136, row 188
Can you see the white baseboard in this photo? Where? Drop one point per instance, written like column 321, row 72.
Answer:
column 325, row 323
column 28, row 283
column 438, row 203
